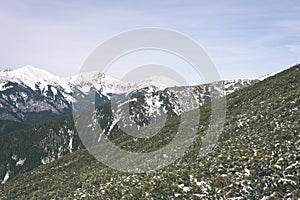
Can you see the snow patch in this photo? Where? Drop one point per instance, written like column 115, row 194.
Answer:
column 71, row 144
column 14, row 157
column 6, row 177
column 21, row 162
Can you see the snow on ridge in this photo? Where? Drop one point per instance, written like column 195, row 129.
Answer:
column 31, row 76
column 104, row 83
column 266, row 76
column 34, row 77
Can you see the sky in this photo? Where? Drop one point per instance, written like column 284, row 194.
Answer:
column 245, row 39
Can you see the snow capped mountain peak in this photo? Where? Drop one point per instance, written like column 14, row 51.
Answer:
column 33, row 77
column 30, row 73
column 32, row 90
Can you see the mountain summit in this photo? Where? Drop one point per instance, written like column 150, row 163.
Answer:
column 33, row 77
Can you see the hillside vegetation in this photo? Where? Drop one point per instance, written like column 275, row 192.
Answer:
column 257, row 156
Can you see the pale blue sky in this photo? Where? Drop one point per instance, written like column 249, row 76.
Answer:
column 245, row 39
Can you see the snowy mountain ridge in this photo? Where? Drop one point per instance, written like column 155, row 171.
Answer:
column 29, row 94
column 31, row 76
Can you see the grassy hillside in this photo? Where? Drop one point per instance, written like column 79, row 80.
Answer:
column 258, row 155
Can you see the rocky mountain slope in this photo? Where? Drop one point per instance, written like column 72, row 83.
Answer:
column 257, row 156
column 31, row 95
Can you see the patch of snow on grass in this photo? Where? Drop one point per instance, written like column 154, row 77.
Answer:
column 21, row 162
column 6, row 177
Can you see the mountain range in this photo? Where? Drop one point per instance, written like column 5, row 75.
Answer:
column 257, row 155
column 30, row 95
